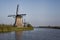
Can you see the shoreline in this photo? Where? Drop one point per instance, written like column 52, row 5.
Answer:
column 10, row 29
column 49, row 27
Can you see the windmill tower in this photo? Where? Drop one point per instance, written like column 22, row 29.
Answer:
column 18, row 18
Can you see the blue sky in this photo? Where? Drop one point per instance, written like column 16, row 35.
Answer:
column 39, row 12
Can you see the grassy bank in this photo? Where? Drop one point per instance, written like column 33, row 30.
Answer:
column 9, row 28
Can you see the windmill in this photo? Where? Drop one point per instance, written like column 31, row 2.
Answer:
column 18, row 18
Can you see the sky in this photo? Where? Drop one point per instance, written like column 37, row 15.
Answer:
column 39, row 12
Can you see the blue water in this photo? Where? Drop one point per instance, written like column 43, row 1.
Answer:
column 36, row 34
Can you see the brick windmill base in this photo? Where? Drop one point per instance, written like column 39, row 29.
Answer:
column 19, row 21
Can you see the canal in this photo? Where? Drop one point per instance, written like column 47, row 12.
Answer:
column 36, row 34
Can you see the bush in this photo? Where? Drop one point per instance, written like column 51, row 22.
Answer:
column 29, row 25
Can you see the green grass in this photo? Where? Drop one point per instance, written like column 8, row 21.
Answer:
column 9, row 28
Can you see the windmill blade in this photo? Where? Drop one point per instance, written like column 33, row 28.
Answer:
column 22, row 14
column 11, row 15
column 17, row 9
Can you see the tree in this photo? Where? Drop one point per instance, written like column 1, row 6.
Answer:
column 29, row 25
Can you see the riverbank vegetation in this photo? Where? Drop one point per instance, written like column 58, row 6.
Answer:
column 52, row 27
column 9, row 28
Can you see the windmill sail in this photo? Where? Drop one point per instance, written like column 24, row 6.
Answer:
column 11, row 15
column 17, row 10
column 22, row 14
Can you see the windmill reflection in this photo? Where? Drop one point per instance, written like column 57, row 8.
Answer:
column 18, row 35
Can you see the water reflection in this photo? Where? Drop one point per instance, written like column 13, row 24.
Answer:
column 18, row 35
column 11, row 35
column 36, row 34
column 7, row 36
